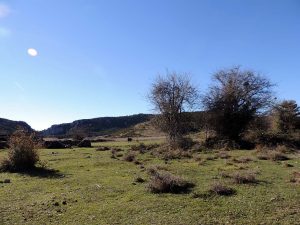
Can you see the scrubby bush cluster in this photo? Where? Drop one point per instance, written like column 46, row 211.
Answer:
column 221, row 189
column 240, row 111
column 165, row 182
column 22, row 154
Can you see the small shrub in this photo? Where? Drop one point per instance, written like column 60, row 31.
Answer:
column 242, row 159
column 202, row 162
column 185, row 143
column 154, row 168
column 22, row 154
column 5, row 165
column 277, row 156
column 244, row 178
column 223, row 155
column 221, row 189
column 197, row 158
column 295, row 177
column 165, row 182
column 113, row 154
column 282, row 149
column 142, row 148
column 224, row 174
column 262, row 156
column 102, row 148
column 176, row 154
column 129, row 157
column 204, row 195
column 288, row 165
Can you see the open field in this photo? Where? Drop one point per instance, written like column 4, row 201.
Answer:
column 92, row 188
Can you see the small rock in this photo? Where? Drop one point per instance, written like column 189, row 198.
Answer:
column 64, row 202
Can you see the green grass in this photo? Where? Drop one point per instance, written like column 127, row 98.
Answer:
column 100, row 190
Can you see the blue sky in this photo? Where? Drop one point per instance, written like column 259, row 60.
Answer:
column 99, row 57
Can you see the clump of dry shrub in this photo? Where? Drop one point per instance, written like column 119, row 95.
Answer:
column 223, row 155
column 224, row 174
column 115, row 153
column 277, row 154
column 142, row 148
column 130, row 157
column 165, row 182
column 295, row 177
column 154, row 168
column 102, row 148
column 221, row 189
column 243, row 159
column 22, row 154
column 247, row 177
column 167, row 153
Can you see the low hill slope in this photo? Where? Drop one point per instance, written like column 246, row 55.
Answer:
column 96, row 126
column 7, row 127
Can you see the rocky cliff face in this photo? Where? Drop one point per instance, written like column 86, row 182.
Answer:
column 96, row 126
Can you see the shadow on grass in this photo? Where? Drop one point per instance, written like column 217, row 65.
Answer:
column 42, row 172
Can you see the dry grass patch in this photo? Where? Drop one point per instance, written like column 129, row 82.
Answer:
column 243, row 159
column 277, row 156
column 130, row 157
column 223, row 155
column 165, row 182
column 247, row 177
column 102, row 148
column 221, row 189
column 295, row 177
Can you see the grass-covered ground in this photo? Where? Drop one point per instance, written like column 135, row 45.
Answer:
column 93, row 188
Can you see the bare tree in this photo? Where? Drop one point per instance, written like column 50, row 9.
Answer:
column 172, row 96
column 234, row 100
column 286, row 115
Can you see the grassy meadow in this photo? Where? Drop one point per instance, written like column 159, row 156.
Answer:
column 90, row 187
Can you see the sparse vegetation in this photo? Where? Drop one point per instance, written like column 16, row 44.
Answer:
column 22, row 154
column 100, row 178
column 130, row 157
column 171, row 96
column 165, row 182
column 247, row 177
column 221, row 189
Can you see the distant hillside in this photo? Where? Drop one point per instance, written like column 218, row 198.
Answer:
column 96, row 126
column 7, row 127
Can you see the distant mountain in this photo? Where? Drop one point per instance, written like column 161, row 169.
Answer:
column 96, row 126
column 7, row 127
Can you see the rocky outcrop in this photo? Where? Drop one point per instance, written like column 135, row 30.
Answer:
column 85, row 144
column 94, row 127
column 7, row 127
column 55, row 144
